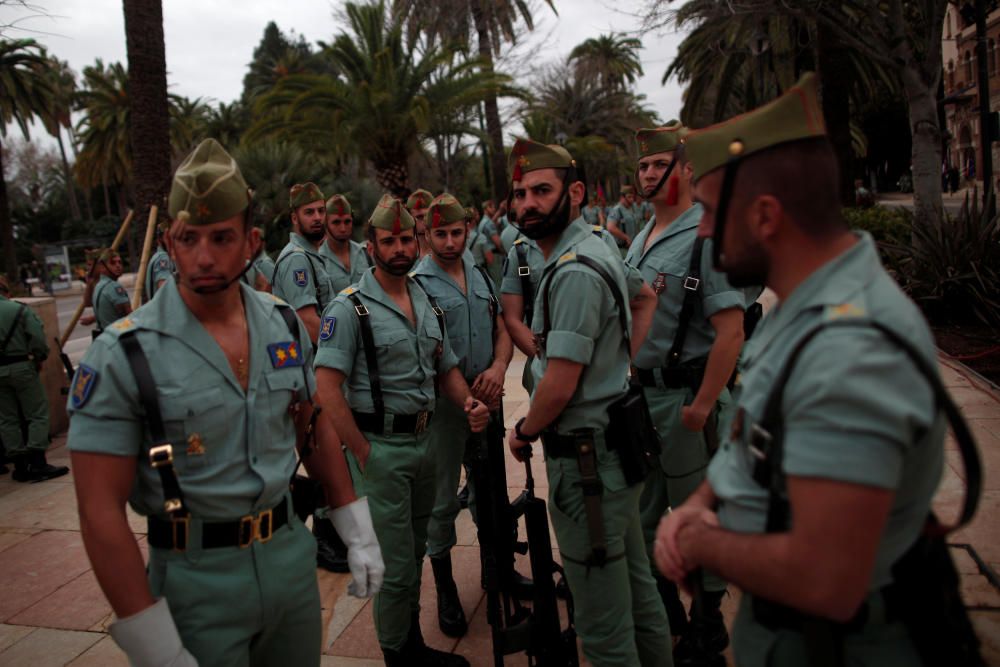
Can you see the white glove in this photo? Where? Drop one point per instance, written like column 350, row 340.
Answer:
column 150, row 638
column 354, row 525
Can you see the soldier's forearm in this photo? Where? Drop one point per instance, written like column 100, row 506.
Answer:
column 454, row 387
column 518, row 330
column 328, row 465
column 310, row 318
column 643, row 308
column 328, row 386
column 722, row 356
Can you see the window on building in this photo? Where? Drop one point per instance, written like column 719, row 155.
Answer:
column 969, row 80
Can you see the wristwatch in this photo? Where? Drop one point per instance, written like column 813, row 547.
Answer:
column 520, row 435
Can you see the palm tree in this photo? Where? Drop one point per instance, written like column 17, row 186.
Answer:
column 188, row 124
column 149, row 125
column 382, row 101
column 23, row 94
column 56, row 117
column 105, row 157
column 610, row 60
column 494, row 22
column 226, row 123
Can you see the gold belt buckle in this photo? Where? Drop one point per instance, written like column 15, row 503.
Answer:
column 260, row 527
column 161, row 455
column 421, row 422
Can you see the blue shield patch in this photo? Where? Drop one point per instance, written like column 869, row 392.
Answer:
column 285, row 355
column 326, row 329
column 300, row 277
column 83, row 385
column 163, row 263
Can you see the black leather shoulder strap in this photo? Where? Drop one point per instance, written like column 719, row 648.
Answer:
column 692, row 282
column 371, row 357
column 494, row 302
column 524, row 273
column 768, row 440
column 13, row 327
column 604, row 275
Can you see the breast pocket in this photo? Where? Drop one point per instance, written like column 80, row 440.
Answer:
column 284, row 390
column 431, row 342
column 393, row 348
column 196, row 425
column 666, row 277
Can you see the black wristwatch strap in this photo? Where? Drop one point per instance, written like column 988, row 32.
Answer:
column 520, row 435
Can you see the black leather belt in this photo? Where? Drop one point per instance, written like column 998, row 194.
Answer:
column 559, row 446
column 174, row 533
column 677, row 377
column 414, row 424
column 7, row 360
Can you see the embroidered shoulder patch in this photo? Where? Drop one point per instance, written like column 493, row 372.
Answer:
column 285, row 355
column 301, row 277
column 326, row 329
column 83, row 385
column 120, row 291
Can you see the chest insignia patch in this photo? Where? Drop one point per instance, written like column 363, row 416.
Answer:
column 120, row 291
column 326, row 330
column 195, row 445
column 83, row 385
column 163, row 263
column 660, row 283
column 285, row 355
column 300, row 277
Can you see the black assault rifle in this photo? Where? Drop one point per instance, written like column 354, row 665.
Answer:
column 536, row 631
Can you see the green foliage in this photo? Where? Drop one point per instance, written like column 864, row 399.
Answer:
column 953, row 270
column 885, row 224
column 609, row 60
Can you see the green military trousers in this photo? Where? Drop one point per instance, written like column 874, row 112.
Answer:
column 250, row 606
column 449, row 433
column 22, row 395
column 683, row 464
column 619, row 616
column 399, row 482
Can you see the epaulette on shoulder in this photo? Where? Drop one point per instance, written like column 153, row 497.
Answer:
column 568, row 257
column 843, row 311
column 276, row 299
column 598, row 229
column 350, row 289
column 412, row 274
column 123, row 325
column 519, row 241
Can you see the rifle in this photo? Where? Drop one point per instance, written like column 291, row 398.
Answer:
column 515, row 628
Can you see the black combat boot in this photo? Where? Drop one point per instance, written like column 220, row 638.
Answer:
column 418, row 654
column 331, row 552
column 32, row 467
column 676, row 613
column 451, row 618
column 706, row 638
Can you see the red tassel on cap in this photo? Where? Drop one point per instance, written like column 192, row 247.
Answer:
column 397, row 226
column 436, row 218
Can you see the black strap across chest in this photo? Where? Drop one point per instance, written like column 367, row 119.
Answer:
column 371, row 354
column 692, row 283
column 494, row 302
column 604, row 275
column 527, row 291
column 767, row 436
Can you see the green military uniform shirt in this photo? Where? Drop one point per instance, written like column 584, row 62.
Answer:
column 262, row 265
column 592, row 215
column 409, row 356
column 108, row 295
column 487, row 228
column 340, row 276
column 300, row 276
column 477, row 244
column 468, row 317
column 27, row 339
column 160, row 268
column 509, row 234
column 628, row 218
column 233, row 451
column 855, row 410
column 664, row 266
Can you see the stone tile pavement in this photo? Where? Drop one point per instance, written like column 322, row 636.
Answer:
column 53, row 613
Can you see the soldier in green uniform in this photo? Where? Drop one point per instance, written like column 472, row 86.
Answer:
column 346, row 259
column 625, row 219
column 490, row 232
column 261, row 266
column 593, row 214
column 159, row 269
column 22, row 396
column 580, row 371
column 189, row 410
column 860, row 430
column 476, row 243
column 382, row 350
column 417, row 204
column 106, row 296
column 300, row 276
column 683, row 366
column 480, row 341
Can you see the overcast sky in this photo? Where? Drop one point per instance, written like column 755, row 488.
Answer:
column 210, row 42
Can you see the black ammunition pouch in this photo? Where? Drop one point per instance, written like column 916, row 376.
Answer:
column 632, row 434
column 307, row 496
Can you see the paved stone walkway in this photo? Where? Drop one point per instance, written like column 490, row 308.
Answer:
column 52, row 613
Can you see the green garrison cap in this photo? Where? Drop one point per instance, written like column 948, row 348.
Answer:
column 207, row 187
column 444, row 210
column 794, row 116
column 628, row 190
column 391, row 215
column 528, row 155
column 304, row 193
column 100, row 254
column 418, row 199
column 338, row 205
column 664, row 139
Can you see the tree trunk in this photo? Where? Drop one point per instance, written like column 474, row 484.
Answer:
column 498, row 160
column 74, row 205
column 7, row 228
column 392, row 175
column 149, row 130
column 834, row 67
column 926, row 153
